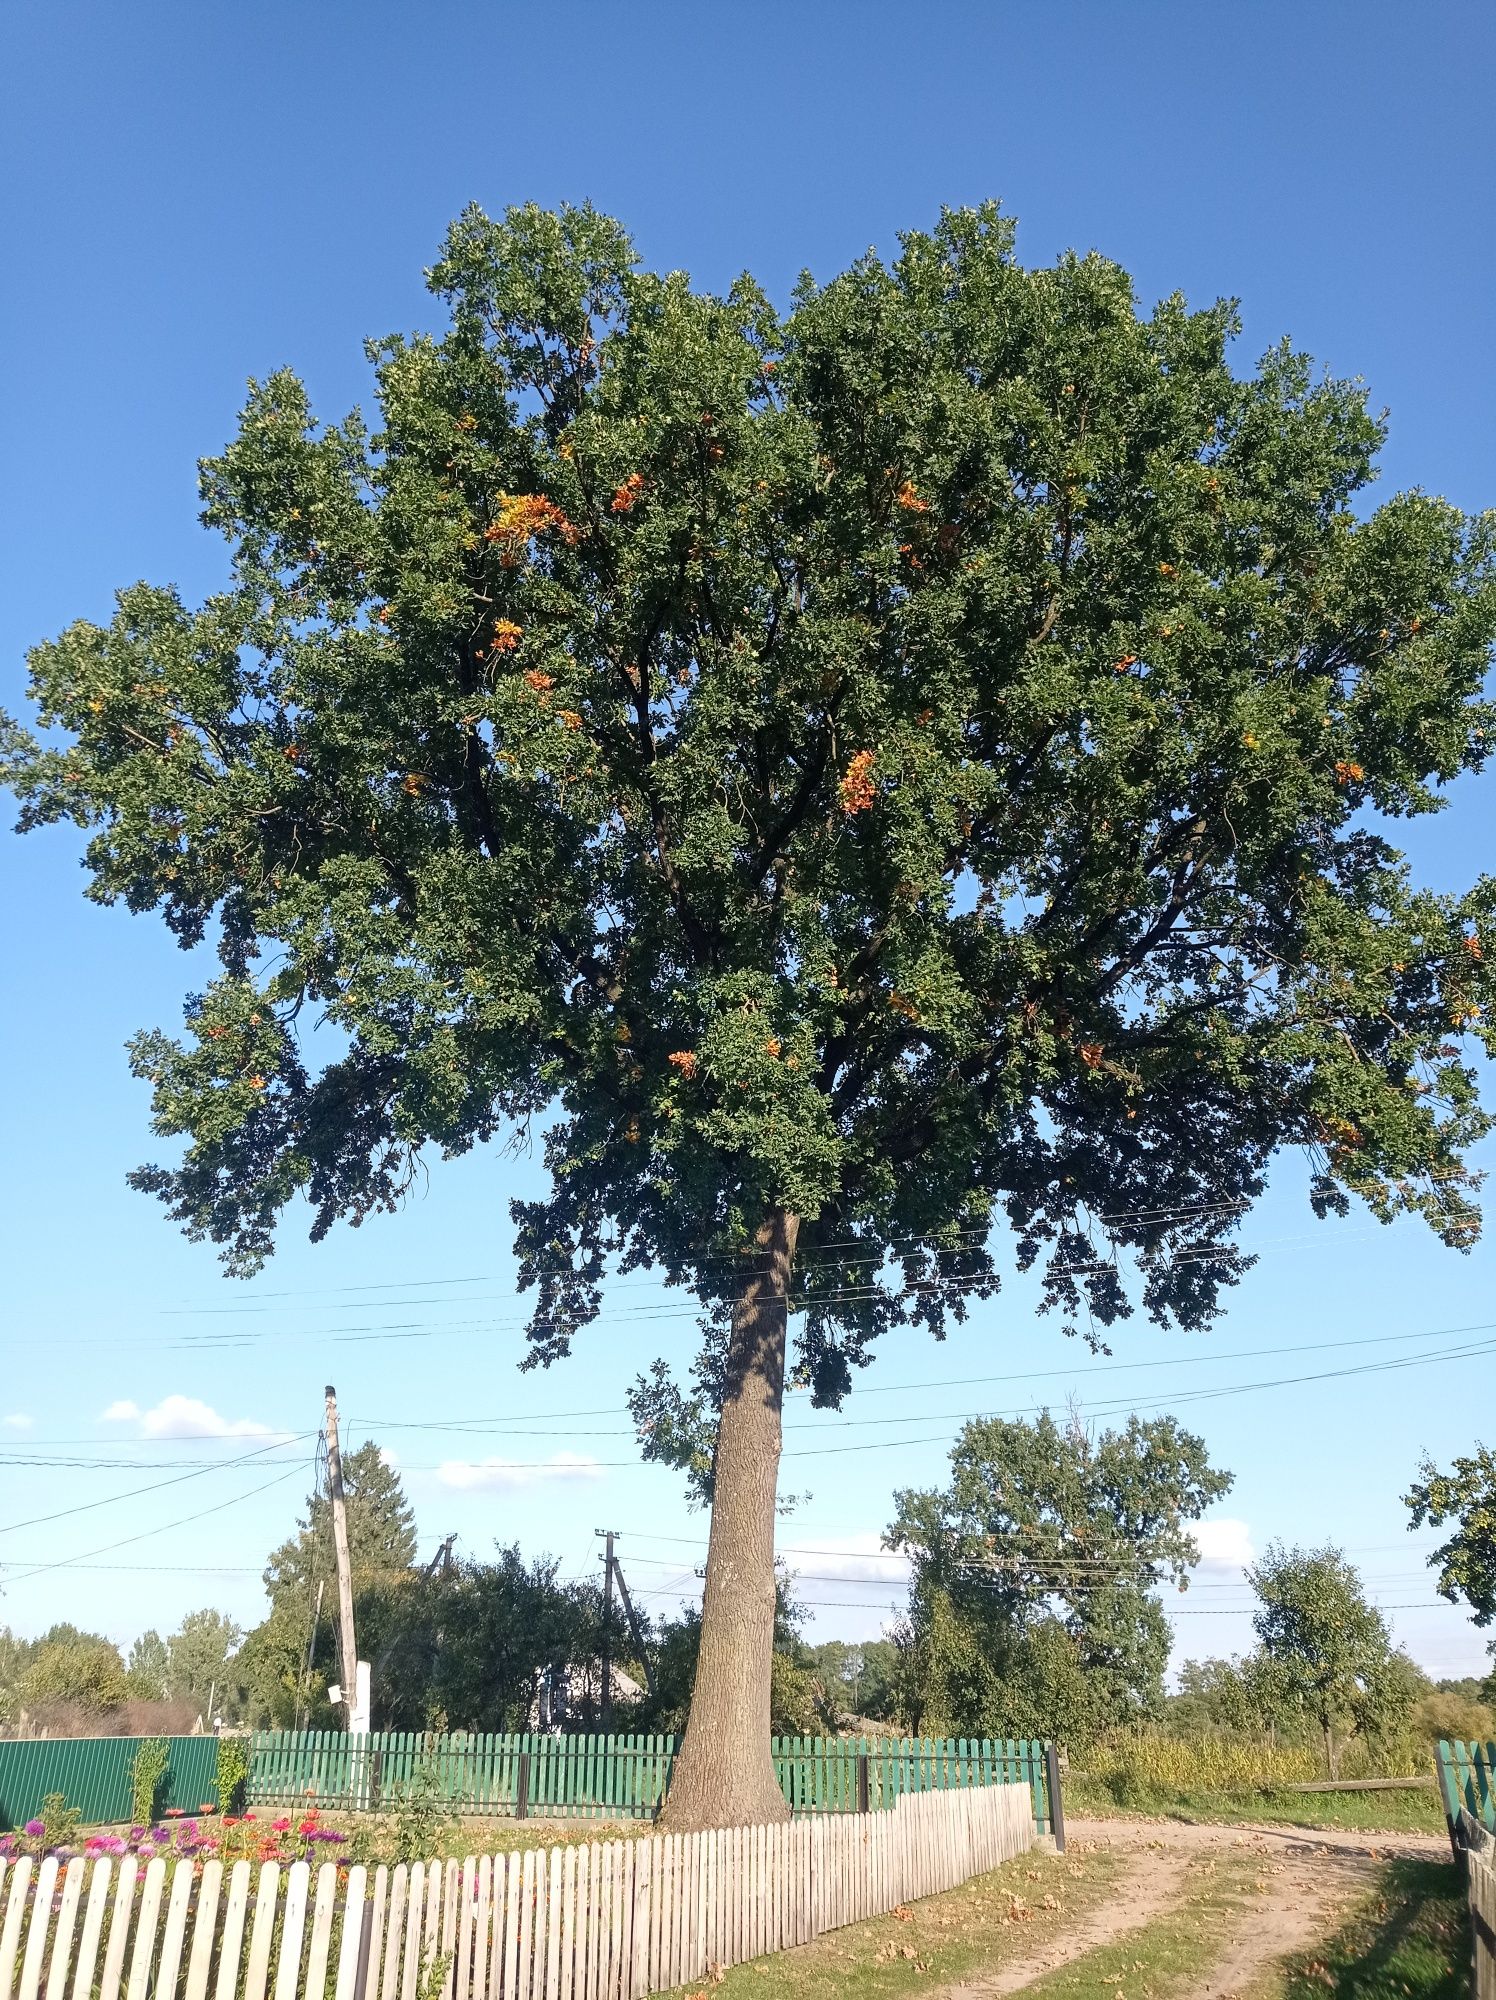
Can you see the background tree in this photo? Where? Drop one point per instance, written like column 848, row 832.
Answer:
column 471, row 1649
column 857, row 1680
column 149, row 1667
column 795, row 1687
column 286, row 1662
column 860, row 774
column 465, row 1645
column 1330, row 1648
column 1034, row 1573
column 1236, row 1694
column 382, row 1537
column 83, row 1669
column 201, row 1662
column 197, row 1662
column 1465, row 1495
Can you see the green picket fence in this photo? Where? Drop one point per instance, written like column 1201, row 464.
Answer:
column 615, row 1777
column 1467, row 1778
column 589, row 1777
column 93, row 1774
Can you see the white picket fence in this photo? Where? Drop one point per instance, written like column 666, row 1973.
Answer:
column 596, row 1920
column 1480, row 1882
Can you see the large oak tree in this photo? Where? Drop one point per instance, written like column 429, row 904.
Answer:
column 850, row 777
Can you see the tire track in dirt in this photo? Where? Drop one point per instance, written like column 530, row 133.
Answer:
column 1307, row 1880
column 1150, row 1886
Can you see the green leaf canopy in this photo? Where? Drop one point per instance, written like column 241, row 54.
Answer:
column 909, row 760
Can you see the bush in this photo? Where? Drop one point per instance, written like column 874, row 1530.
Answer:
column 417, row 1813
column 233, row 1774
column 147, row 1778
column 60, row 1821
column 1453, row 1718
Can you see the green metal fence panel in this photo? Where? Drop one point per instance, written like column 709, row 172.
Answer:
column 93, row 1774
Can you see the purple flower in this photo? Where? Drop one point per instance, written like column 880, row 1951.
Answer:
column 160, row 1834
column 35, row 1826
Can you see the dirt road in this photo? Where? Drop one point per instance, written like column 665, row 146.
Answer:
column 1304, row 1879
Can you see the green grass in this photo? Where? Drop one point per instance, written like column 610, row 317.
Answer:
column 994, row 1920
column 1408, row 1941
column 1355, row 1812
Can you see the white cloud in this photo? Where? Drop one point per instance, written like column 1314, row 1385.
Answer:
column 497, row 1475
column 183, row 1417
column 17, row 1422
column 1224, row 1544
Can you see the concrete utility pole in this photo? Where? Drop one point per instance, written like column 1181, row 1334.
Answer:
column 347, row 1642
column 607, row 1688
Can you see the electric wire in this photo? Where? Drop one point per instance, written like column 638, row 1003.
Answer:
column 1109, row 1407
column 26, row 1454
column 116, row 1499
column 165, row 1527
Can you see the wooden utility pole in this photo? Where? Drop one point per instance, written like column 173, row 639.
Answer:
column 347, row 1642
column 607, row 1687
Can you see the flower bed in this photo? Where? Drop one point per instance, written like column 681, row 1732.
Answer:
column 200, row 1836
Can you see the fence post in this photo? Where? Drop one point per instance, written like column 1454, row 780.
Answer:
column 522, row 1787
column 1056, row 1805
column 365, row 1944
column 862, row 1789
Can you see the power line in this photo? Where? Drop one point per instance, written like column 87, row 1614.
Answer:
column 1115, row 1407
column 114, row 1499
column 885, row 1252
column 27, row 1454
column 479, row 1426
column 128, row 1541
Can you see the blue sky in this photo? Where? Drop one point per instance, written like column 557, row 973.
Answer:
column 201, row 194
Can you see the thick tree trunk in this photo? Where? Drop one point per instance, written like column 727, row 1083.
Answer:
column 1332, row 1760
column 724, row 1775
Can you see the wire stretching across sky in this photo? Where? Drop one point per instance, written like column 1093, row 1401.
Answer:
column 30, row 1453
column 156, row 1486
column 503, row 1426
column 1112, row 1407
column 165, row 1527
column 820, row 1259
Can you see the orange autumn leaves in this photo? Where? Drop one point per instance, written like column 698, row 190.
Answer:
column 626, row 495
column 520, row 517
column 856, row 790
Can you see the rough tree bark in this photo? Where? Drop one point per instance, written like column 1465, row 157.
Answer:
column 724, row 1775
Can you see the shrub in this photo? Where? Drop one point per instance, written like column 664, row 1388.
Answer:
column 417, row 1814
column 60, row 1821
